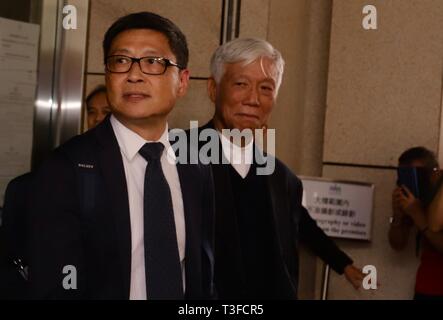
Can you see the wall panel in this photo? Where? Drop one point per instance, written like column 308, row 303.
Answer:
column 384, row 87
column 199, row 20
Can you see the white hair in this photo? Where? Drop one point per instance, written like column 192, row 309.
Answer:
column 246, row 50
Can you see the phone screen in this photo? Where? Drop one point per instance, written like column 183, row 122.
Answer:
column 408, row 176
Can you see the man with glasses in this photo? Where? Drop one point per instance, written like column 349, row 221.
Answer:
column 114, row 216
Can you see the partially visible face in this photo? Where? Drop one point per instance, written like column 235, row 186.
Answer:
column 432, row 174
column 97, row 109
column 415, row 163
column 136, row 97
column 245, row 96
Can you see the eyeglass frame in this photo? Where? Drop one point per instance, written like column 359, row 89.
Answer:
column 168, row 63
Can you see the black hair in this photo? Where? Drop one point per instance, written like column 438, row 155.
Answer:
column 99, row 89
column 149, row 20
column 418, row 153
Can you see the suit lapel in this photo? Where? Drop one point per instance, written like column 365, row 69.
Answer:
column 113, row 174
column 277, row 189
column 191, row 195
column 282, row 223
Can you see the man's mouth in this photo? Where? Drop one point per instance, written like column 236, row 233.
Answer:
column 247, row 115
column 135, row 96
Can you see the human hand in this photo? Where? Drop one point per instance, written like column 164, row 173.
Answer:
column 409, row 203
column 396, row 207
column 412, row 208
column 354, row 276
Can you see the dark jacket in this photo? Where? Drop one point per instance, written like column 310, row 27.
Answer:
column 80, row 217
column 291, row 224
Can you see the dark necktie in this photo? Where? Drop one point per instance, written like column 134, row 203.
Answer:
column 162, row 261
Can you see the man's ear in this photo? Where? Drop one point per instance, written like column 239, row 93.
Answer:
column 212, row 89
column 184, row 82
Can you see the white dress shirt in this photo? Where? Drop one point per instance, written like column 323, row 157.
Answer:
column 135, row 165
column 239, row 158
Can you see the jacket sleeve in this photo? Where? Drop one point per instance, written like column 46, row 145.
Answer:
column 323, row 246
column 316, row 240
column 56, row 266
column 13, row 245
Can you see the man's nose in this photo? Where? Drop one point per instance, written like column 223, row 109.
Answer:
column 135, row 74
column 252, row 97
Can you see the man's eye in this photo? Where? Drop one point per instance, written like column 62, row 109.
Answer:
column 266, row 88
column 154, row 60
column 122, row 60
column 241, row 84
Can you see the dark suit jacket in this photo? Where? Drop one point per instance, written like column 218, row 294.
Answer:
column 13, row 238
column 80, row 217
column 291, row 224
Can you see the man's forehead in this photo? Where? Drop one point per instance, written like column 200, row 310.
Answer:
column 262, row 65
column 126, row 50
column 128, row 39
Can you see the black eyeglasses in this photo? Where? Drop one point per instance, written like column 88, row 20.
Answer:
column 148, row 65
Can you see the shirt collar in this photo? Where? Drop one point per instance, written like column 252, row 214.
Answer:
column 130, row 142
column 237, row 154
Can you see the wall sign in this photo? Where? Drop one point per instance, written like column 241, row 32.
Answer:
column 342, row 209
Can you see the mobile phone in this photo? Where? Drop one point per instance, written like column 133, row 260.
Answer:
column 408, row 176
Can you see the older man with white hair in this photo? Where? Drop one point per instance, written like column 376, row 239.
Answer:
column 259, row 218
